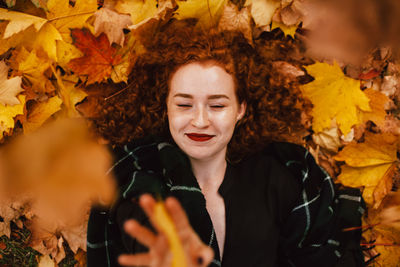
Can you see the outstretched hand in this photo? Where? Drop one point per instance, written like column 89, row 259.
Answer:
column 197, row 254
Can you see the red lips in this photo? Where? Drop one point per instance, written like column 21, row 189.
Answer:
column 199, row 137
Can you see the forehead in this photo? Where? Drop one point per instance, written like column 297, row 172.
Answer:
column 202, row 78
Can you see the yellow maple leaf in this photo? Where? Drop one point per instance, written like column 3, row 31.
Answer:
column 377, row 104
column 7, row 114
column 334, row 95
column 47, row 39
column 33, row 68
column 262, row 10
column 64, row 17
column 140, row 11
column 19, row 21
column 40, row 113
column 9, row 88
column 66, row 52
column 70, row 95
column 207, row 12
column 165, row 222
column 27, row 37
column 122, row 70
column 367, row 164
column 287, row 30
column 383, row 236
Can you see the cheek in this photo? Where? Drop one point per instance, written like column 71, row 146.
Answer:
column 227, row 120
column 175, row 120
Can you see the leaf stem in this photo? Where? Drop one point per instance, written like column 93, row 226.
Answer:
column 360, row 227
column 379, row 244
column 72, row 15
column 116, row 93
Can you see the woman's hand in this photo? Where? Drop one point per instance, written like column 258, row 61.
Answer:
column 196, row 252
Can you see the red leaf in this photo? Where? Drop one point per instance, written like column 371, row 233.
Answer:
column 369, row 75
column 99, row 57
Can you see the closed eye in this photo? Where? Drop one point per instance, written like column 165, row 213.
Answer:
column 217, row 106
column 184, row 105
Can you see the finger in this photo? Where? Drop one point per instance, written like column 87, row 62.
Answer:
column 148, row 203
column 204, row 256
column 161, row 252
column 141, row 233
column 140, row 259
column 178, row 216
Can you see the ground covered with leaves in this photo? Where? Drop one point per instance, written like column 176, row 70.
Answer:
column 54, row 52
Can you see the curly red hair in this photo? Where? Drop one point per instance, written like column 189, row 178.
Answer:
column 273, row 100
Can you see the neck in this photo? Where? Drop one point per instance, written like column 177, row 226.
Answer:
column 209, row 173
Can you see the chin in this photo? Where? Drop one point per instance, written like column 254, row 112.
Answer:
column 198, row 154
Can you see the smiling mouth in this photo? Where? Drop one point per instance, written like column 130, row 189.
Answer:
column 199, row 137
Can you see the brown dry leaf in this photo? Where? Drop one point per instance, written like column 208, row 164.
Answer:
column 11, row 210
column 287, row 69
column 46, row 239
column 377, row 103
column 290, row 14
column 391, row 125
column 233, row 19
column 112, row 24
column 389, row 85
column 262, row 10
column 9, row 88
column 328, row 139
column 89, row 107
column 367, row 164
column 76, row 235
column 46, row 261
column 80, row 257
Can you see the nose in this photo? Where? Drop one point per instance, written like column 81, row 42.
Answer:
column 200, row 118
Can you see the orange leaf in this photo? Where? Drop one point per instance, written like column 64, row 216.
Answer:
column 99, row 57
column 80, row 257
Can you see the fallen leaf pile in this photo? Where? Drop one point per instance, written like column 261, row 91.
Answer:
column 59, row 57
column 51, row 177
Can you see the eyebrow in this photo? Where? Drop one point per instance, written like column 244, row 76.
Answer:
column 210, row 97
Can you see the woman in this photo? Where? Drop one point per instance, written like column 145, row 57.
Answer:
column 211, row 105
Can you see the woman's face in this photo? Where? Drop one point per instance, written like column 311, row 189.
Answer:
column 203, row 110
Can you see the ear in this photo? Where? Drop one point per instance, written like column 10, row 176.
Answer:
column 241, row 111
